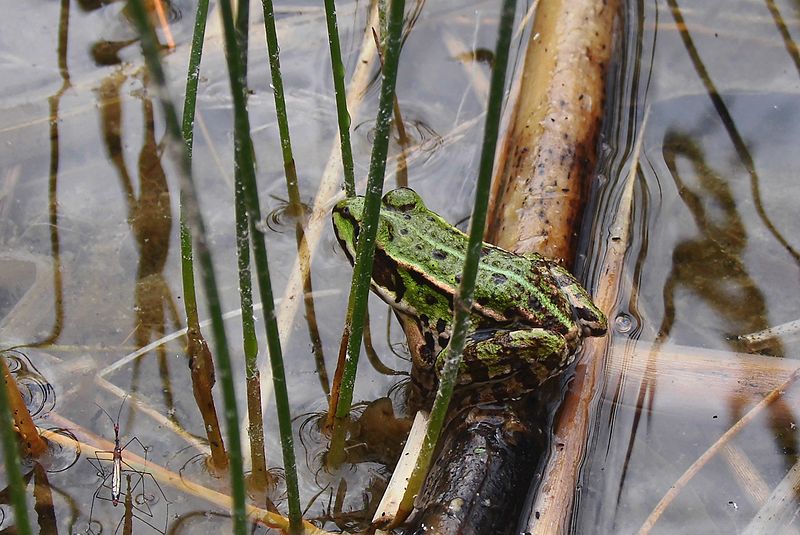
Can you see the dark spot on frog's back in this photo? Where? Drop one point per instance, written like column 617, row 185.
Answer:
column 498, row 278
column 430, row 343
column 441, row 326
column 439, row 255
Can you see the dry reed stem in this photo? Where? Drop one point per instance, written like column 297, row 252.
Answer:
column 779, row 511
column 33, row 444
column 168, row 477
column 696, row 378
column 747, row 473
column 158, row 6
column 723, row 441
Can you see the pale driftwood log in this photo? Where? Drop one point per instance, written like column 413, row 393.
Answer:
column 549, row 148
column 553, row 503
column 539, row 193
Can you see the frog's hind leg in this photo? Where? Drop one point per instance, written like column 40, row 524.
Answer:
column 533, row 354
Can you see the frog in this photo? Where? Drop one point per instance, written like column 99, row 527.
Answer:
column 529, row 313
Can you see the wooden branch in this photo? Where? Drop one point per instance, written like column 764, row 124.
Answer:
column 540, row 190
column 549, row 152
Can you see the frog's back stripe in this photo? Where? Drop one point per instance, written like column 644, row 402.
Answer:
column 496, row 275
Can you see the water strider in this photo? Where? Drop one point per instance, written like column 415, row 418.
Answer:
column 529, row 316
column 116, row 457
column 142, row 509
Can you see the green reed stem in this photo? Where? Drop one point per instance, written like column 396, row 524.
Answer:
column 192, row 79
column 201, row 362
column 259, row 476
column 463, row 302
column 295, row 207
column 189, row 106
column 195, row 220
column 365, row 250
column 250, row 340
column 246, row 163
column 11, row 457
column 337, row 66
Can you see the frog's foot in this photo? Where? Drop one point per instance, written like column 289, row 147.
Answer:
column 531, row 355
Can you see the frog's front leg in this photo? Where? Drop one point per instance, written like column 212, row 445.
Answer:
column 533, row 355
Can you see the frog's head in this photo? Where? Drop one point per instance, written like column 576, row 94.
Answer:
column 590, row 319
column 347, row 216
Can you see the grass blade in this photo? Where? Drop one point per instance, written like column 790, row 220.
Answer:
column 463, row 302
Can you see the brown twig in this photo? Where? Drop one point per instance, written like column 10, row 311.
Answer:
column 554, row 502
column 33, row 444
column 164, row 23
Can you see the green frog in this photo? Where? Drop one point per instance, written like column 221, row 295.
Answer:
column 529, row 313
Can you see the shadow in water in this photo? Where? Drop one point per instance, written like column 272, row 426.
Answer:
column 150, row 219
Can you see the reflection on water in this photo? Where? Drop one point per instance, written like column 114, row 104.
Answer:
column 150, row 219
column 90, row 203
column 716, row 258
column 87, row 201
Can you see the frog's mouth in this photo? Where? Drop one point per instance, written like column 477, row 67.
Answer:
column 351, row 255
column 347, row 245
column 589, row 324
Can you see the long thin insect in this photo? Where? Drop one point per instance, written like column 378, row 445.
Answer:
column 120, row 468
column 116, row 476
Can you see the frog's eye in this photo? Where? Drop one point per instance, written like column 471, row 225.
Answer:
column 402, row 200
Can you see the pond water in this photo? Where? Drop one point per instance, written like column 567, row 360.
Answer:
column 90, row 281
column 711, row 88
